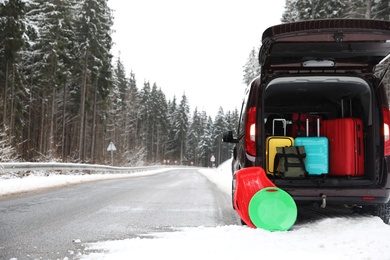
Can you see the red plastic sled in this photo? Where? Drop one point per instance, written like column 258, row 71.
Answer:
column 248, row 182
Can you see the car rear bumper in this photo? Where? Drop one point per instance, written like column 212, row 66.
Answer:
column 341, row 196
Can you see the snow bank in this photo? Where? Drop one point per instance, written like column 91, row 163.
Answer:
column 337, row 238
column 331, row 238
column 10, row 184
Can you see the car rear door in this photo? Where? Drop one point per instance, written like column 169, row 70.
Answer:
column 334, row 45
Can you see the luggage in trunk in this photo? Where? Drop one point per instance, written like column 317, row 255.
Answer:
column 317, row 151
column 276, row 141
column 346, row 148
column 299, row 128
column 291, row 162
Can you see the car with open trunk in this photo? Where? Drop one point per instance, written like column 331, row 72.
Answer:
column 328, row 69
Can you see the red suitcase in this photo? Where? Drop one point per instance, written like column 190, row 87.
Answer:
column 346, row 148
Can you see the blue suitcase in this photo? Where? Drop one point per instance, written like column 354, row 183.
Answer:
column 317, row 152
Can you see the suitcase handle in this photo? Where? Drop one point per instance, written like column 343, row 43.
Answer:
column 318, row 126
column 284, row 125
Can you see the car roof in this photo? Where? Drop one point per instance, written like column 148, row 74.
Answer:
column 333, row 44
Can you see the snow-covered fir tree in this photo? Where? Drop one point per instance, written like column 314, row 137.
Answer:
column 252, row 67
column 298, row 10
column 63, row 98
column 181, row 126
column 12, row 29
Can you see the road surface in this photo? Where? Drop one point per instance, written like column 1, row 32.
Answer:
column 55, row 224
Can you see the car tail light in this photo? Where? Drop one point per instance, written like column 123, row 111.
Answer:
column 386, row 130
column 368, row 198
column 250, row 134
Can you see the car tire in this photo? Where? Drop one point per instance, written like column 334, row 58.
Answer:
column 233, row 190
column 382, row 211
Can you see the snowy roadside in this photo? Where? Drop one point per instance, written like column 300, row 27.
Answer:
column 338, row 238
column 10, row 185
column 221, row 176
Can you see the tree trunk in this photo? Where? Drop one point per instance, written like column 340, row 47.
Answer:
column 85, row 137
column 181, row 151
column 30, row 124
column 82, row 110
column 94, row 123
column 63, row 123
column 51, row 123
column 5, row 98
column 12, row 105
column 42, row 127
column 158, row 157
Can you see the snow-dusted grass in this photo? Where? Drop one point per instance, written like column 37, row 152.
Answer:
column 332, row 238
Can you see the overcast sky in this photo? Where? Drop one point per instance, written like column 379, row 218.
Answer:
column 194, row 47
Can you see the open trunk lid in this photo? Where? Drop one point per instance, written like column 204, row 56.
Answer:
column 329, row 45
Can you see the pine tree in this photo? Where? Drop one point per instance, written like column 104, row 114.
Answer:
column 145, row 119
column 133, row 111
column 172, row 146
column 298, row 10
column 358, row 9
column 136, row 154
column 94, row 44
column 12, row 29
column 219, row 127
column 380, row 10
column 252, row 67
column 291, row 13
column 116, row 115
column 232, row 119
column 51, row 61
column 162, row 126
column 181, row 126
column 206, row 144
column 158, row 118
column 195, row 133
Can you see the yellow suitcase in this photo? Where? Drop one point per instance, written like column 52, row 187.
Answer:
column 276, row 141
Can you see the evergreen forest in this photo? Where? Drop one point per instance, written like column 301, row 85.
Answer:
column 64, row 98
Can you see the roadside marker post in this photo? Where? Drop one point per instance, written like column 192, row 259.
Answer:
column 111, row 148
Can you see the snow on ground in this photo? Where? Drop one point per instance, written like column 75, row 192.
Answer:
column 338, row 238
column 9, row 184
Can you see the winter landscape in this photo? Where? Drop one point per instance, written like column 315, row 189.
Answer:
column 354, row 237
column 65, row 98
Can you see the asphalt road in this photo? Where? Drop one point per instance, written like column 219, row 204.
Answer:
column 55, row 224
